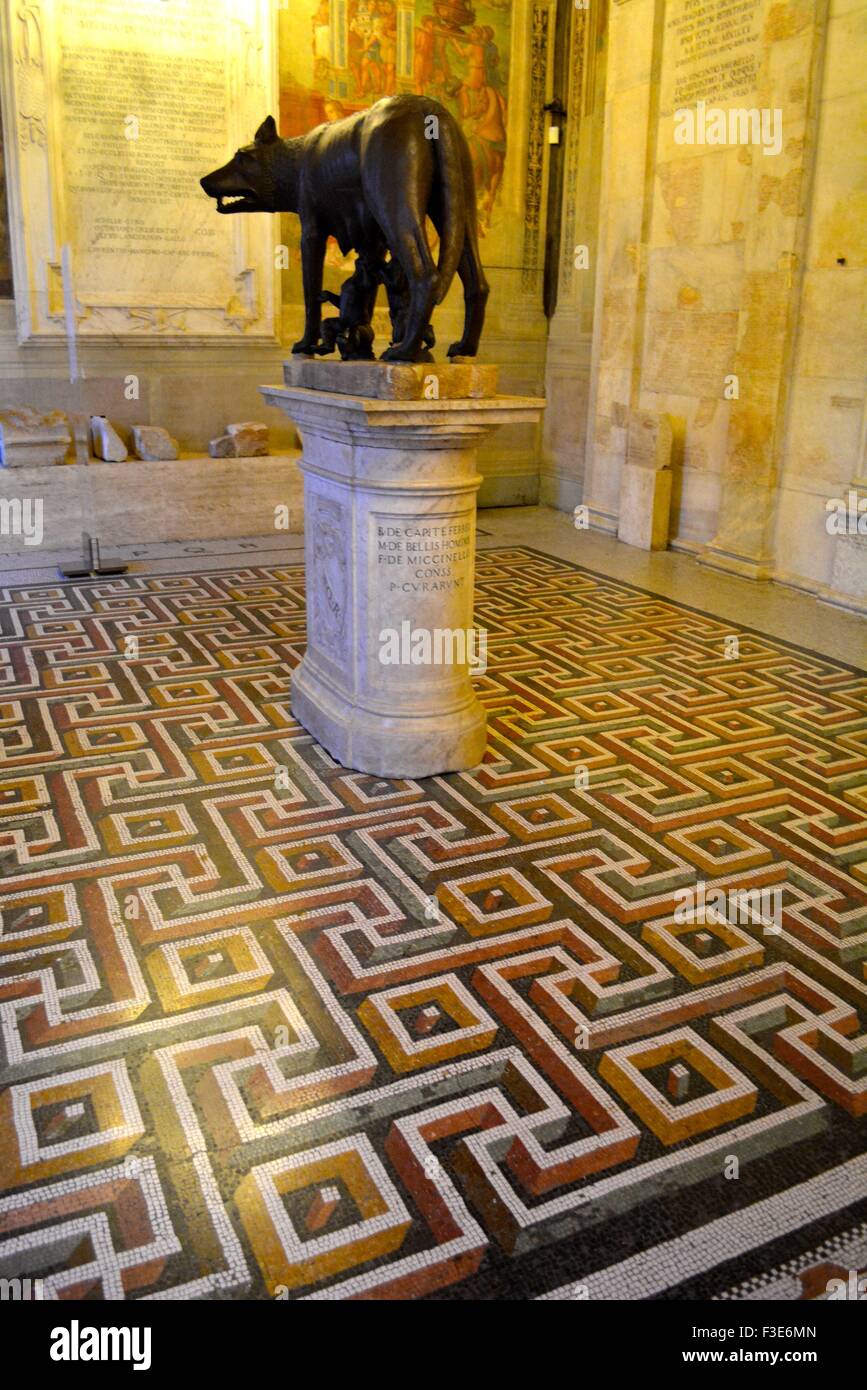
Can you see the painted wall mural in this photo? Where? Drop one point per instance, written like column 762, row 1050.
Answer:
column 339, row 56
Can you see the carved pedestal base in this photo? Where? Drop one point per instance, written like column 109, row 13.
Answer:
column 389, row 520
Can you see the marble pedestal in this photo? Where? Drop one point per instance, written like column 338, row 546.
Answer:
column 389, row 520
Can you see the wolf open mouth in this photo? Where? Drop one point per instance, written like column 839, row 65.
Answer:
column 238, row 202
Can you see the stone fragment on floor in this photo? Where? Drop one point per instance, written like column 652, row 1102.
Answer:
column 248, row 439
column 152, row 442
column 646, row 481
column 79, row 424
column 29, row 437
column 107, row 443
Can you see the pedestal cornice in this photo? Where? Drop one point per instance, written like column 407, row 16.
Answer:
column 435, row 424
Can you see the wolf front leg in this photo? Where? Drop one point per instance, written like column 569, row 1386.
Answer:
column 312, row 261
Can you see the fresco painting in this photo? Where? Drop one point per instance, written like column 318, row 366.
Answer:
column 338, row 56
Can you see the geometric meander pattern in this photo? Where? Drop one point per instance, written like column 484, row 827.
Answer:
column 272, row 1028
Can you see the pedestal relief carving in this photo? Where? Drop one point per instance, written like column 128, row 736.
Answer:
column 330, row 544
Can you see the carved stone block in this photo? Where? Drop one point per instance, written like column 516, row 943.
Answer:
column 645, row 481
column 241, row 441
column 152, row 442
column 107, row 443
column 30, row 438
column 250, row 439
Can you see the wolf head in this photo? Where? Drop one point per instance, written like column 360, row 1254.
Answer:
column 259, row 177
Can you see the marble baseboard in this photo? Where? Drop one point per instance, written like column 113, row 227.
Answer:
column 508, row 489
column 743, row 566
column 599, row 519
column 560, row 490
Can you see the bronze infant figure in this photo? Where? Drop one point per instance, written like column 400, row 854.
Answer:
column 370, row 180
column 397, row 293
column 351, row 332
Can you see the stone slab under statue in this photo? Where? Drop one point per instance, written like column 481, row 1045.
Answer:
column 395, row 381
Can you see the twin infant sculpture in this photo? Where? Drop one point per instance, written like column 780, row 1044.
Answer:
column 370, row 180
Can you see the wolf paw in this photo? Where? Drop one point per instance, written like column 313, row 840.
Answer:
column 396, row 353
column 306, row 345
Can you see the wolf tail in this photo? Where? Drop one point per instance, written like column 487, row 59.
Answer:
column 450, row 166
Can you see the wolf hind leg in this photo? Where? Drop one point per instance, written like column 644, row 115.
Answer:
column 412, row 253
column 402, row 222
column 398, row 179
column 472, row 276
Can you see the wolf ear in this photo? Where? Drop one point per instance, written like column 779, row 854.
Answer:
column 267, row 132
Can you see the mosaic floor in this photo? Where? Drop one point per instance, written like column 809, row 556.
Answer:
column 275, row 1029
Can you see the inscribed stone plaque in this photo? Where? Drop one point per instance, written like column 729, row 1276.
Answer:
column 711, row 51
column 115, row 109
column 689, row 352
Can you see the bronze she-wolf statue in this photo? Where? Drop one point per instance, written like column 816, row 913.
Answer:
column 370, row 180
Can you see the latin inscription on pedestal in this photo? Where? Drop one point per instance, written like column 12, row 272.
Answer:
column 420, row 573
column 424, row 557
